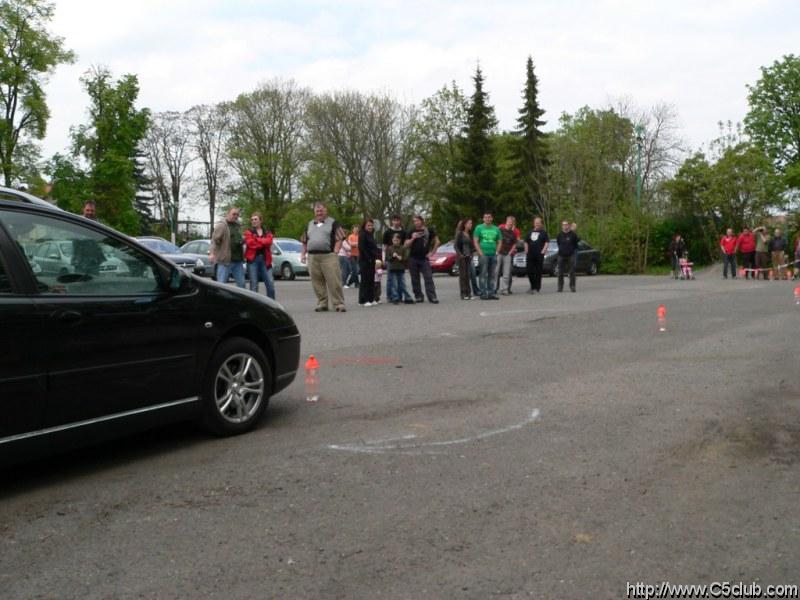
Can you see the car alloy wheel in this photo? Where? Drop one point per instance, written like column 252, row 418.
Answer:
column 237, row 387
column 554, row 272
column 592, row 268
column 286, row 271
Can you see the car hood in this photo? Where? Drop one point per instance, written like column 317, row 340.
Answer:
column 181, row 258
column 242, row 300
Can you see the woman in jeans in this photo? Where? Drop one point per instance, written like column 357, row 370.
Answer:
column 464, row 250
column 258, row 254
column 344, row 262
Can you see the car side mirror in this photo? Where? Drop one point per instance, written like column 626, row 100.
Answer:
column 178, row 280
column 275, row 251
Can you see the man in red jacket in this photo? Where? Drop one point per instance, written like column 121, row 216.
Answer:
column 728, row 245
column 747, row 246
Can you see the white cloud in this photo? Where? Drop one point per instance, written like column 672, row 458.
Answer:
column 697, row 56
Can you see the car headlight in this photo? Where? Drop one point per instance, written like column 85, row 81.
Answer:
column 440, row 260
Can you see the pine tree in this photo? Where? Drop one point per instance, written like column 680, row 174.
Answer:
column 475, row 188
column 143, row 201
column 531, row 150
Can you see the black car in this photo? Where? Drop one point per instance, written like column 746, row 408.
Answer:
column 91, row 354
column 588, row 260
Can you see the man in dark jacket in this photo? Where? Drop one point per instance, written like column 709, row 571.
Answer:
column 567, row 241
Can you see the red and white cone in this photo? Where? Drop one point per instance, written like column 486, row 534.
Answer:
column 312, row 379
column 661, row 313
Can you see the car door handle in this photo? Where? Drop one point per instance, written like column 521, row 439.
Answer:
column 68, row 316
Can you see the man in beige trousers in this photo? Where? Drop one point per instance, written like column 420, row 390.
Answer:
column 321, row 241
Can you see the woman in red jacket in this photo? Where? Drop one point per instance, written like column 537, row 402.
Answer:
column 258, row 254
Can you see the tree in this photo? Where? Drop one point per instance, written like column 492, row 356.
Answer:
column 109, row 145
column 774, row 117
column 530, row 150
column 28, row 55
column 438, row 135
column 360, row 154
column 743, row 183
column 71, row 185
column 168, row 146
column 473, row 192
column 210, row 133
column 264, row 145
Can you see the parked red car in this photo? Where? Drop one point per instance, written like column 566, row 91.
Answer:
column 444, row 260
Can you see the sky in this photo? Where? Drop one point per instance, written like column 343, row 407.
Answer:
column 697, row 56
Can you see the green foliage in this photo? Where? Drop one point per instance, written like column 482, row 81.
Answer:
column 28, row 55
column 774, row 117
column 294, row 221
column 71, row 185
column 264, row 145
column 474, row 187
column 438, row 142
column 530, row 152
column 109, row 144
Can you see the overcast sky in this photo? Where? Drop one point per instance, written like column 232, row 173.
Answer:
column 696, row 55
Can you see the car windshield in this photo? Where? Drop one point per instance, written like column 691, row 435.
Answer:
column 290, row 246
column 160, row 246
column 196, row 247
column 445, row 248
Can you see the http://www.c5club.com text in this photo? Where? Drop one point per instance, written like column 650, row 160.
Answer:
column 717, row 589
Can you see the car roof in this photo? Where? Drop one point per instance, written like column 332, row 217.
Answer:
column 11, row 195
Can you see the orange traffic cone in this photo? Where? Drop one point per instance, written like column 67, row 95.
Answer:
column 312, row 379
column 661, row 313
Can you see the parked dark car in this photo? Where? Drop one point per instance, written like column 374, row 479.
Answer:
column 89, row 357
column 445, row 259
column 194, row 262
column 199, row 251
column 588, row 260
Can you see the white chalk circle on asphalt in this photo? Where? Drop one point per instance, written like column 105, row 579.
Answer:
column 407, row 443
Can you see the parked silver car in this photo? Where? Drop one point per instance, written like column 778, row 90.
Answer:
column 59, row 258
column 286, row 259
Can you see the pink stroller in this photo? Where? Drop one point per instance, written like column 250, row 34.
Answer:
column 686, row 267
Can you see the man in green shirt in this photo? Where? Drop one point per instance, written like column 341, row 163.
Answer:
column 487, row 238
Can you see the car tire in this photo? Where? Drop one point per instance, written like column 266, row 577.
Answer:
column 453, row 270
column 287, row 272
column 554, row 270
column 592, row 270
column 238, row 364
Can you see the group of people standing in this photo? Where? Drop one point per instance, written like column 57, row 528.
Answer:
column 232, row 248
column 337, row 260
column 762, row 254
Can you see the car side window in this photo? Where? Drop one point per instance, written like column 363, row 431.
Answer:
column 583, row 245
column 68, row 258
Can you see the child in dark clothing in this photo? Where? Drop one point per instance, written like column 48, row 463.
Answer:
column 397, row 259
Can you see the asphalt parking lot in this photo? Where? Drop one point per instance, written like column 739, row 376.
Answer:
column 547, row 446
